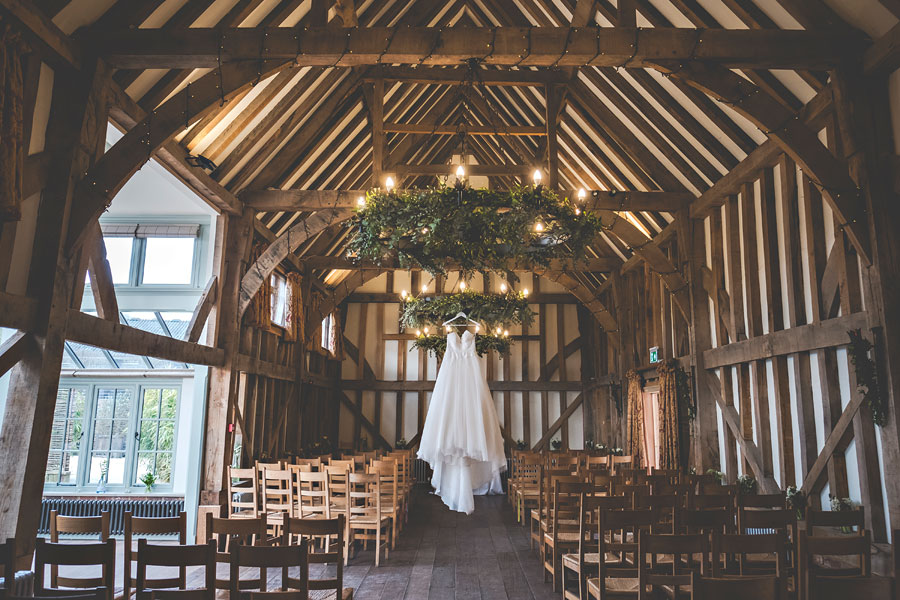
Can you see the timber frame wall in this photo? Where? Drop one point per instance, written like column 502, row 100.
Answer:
column 752, row 285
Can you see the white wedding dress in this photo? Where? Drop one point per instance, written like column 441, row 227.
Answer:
column 461, row 439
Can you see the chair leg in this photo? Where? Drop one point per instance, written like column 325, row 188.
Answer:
column 377, row 545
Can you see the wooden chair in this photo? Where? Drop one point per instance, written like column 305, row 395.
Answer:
column 243, row 493
column 586, row 561
column 365, row 513
column 277, row 497
column 346, row 465
column 100, row 593
column 620, row 462
column 562, row 532
column 391, row 499
column 714, row 520
column 743, row 588
column 8, row 562
column 842, row 588
column 404, row 472
column 337, row 478
column 77, row 525
column 540, row 515
column 526, row 487
column 182, row 557
column 740, row 554
column 314, row 463
column 836, row 518
column 809, row 547
column 311, row 498
column 667, row 507
column 762, row 501
column 143, row 526
column 331, row 588
column 711, row 488
column 676, row 574
column 270, row 557
column 102, row 554
column 227, row 533
column 623, row 529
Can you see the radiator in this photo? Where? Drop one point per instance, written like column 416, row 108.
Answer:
column 23, row 584
column 117, row 507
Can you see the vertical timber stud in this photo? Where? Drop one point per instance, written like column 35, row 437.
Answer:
column 555, row 97
column 374, row 95
column 706, row 444
column 78, row 127
column 236, row 233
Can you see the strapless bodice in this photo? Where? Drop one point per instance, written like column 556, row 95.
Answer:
column 460, row 345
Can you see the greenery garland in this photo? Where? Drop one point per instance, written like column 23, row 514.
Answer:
column 867, row 376
column 437, row 344
column 490, row 310
column 478, row 230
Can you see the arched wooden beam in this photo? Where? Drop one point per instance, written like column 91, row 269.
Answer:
column 103, row 181
column 644, row 248
column 281, row 247
column 586, row 297
column 338, row 295
column 830, row 173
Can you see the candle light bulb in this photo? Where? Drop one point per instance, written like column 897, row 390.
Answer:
column 389, row 183
column 404, row 294
column 426, row 331
column 424, row 230
column 448, row 329
column 577, row 211
column 462, row 285
column 525, row 292
column 503, row 287
column 418, row 333
column 424, row 288
column 361, row 201
column 499, row 330
column 536, row 177
column 460, row 172
column 477, row 327
column 506, row 333
column 581, row 193
column 539, row 227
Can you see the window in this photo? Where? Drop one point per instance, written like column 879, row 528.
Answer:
column 168, row 260
column 156, row 444
column 129, row 431
column 65, row 437
column 328, row 333
column 279, row 299
column 118, row 254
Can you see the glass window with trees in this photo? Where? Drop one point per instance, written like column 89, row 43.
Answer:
column 110, row 435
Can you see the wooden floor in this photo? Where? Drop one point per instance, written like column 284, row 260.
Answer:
column 446, row 555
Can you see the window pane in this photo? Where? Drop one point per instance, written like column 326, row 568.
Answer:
column 157, row 441
column 177, row 322
column 118, row 253
column 164, row 467
column 53, row 462
column 166, row 436
column 169, row 261
column 69, row 469
column 148, row 435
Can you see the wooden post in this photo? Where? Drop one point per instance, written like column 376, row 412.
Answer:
column 77, row 126
column 232, row 245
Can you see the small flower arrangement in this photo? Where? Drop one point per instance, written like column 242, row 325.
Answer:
column 747, row 485
column 521, row 445
column 797, row 500
column 318, row 448
column 589, row 445
column 617, row 452
column 401, row 444
column 842, row 505
column 556, row 445
column 719, row 475
column 149, row 480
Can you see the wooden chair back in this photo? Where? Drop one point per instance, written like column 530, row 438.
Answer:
column 270, row 557
column 311, row 498
column 404, row 467
column 633, row 475
column 100, row 593
column 745, row 555
column 711, row 520
column 762, row 501
column 590, row 505
column 347, row 465
column 842, row 588
column 277, row 491
column 388, row 471
column 314, row 463
column 658, row 571
column 182, row 557
column 618, row 532
column 243, row 493
column 834, row 519
column 102, row 554
column 712, row 488
column 333, row 532
column 743, row 588
column 621, row 462
column 143, row 526
column 857, row 548
column 338, row 481
column 590, row 460
column 228, row 533
column 77, row 525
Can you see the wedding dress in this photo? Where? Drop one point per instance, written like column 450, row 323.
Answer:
column 461, row 439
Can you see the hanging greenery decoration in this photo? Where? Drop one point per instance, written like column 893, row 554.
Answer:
column 475, row 230
column 490, row 310
column 867, row 376
column 437, row 344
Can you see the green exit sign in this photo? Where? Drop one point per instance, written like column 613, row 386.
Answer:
column 654, row 354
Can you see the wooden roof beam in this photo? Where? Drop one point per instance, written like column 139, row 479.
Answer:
column 591, row 265
column 550, row 46
column 273, row 200
column 459, row 75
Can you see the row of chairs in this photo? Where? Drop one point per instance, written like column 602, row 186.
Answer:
column 240, row 543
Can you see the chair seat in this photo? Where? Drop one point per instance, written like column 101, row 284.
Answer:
column 571, row 561
column 615, row 587
column 346, row 594
column 367, row 520
column 561, row 537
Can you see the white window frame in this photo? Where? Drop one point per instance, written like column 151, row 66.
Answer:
column 92, row 387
